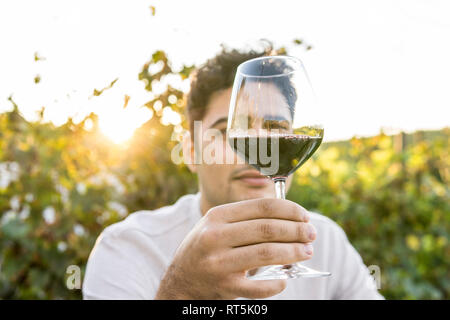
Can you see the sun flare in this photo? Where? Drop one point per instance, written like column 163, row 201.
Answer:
column 120, row 126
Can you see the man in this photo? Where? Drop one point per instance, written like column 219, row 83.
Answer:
column 203, row 246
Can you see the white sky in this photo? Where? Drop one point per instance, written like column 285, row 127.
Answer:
column 374, row 63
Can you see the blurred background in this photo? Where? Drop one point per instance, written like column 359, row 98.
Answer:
column 92, row 103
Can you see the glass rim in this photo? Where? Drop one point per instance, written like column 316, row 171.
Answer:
column 295, row 59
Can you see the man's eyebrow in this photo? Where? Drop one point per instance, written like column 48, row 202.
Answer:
column 218, row 121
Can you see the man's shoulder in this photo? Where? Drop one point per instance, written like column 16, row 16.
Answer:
column 156, row 222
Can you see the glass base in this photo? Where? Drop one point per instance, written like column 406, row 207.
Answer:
column 290, row 271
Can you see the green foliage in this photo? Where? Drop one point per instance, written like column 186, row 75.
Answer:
column 61, row 186
column 393, row 203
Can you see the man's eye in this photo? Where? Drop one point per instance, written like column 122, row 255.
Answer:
column 220, row 133
column 276, row 124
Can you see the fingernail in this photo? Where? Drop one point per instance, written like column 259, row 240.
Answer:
column 311, row 232
column 308, row 248
column 305, row 216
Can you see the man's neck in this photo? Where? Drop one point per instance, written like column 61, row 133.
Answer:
column 204, row 205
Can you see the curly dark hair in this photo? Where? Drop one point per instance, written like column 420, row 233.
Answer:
column 216, row 74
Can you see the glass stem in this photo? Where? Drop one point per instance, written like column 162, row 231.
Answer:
column 280, row 188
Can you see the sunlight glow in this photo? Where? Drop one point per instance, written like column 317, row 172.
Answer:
column 120, row 125
column 375, row 64
column 170, row 117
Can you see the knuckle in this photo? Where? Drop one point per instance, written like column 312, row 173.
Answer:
column 214, row 213
column 210, row 262
column 266, row 230
column 208, row 236
column 265, row 205
column 213, row 263
column 266, row 252
column 283, row 230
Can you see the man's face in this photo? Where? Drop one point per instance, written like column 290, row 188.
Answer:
column 229, row 181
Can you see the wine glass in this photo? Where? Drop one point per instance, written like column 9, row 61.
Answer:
column 274, row 124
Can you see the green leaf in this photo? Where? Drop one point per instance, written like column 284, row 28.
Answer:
column 15, row 229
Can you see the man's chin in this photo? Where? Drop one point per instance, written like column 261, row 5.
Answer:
column 242, row 193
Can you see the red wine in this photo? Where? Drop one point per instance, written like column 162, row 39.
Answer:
column 261, row 152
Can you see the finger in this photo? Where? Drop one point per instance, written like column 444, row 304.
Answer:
column 258, row 289
column 267, row 230
column 263, row 254
column 262, row 208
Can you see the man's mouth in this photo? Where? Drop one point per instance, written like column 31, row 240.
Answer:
column 251, row 178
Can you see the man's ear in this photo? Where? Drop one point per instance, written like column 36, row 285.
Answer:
column 189, row 151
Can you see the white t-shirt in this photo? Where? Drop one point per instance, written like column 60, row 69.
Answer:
column 130, row 257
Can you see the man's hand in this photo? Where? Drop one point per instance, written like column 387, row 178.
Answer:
column 212, row 261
